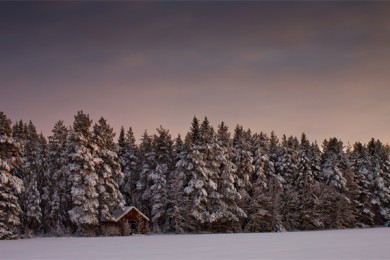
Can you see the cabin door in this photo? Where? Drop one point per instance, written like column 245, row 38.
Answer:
column 133, row 224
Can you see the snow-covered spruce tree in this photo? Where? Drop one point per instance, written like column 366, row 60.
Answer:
column 215, row 204
column 334, row 163
column 82, row 177
column 177, row 201
column 379, row 176
column 360, row 165
column 58, row 192
column 286, row 173
column 307, row 187
column 267, row 188
column 30, row 172
column 108, row 171
column 147, row 165
column 256, row 206
column 228, row 212
column 43, row 177
column 243, row 160
column 213, row 212
column 334, row 170
column 159, row 179
column 315, row 160
column 192, row 167
column 128, row 154
column 304, row 163
column 10, row 185
column 286, row 164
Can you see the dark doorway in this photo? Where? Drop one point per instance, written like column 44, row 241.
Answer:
column 133, row 227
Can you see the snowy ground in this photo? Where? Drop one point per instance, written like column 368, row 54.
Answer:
column 336, row 244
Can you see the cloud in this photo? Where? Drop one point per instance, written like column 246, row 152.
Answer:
column 271, row 65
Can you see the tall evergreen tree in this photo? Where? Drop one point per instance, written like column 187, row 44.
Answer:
column 147, row 164
column 334, row 164
column 243, row 160
column 58, row 192
column 82, row 176
column 30, row 172
column 43, row 178
column 379, row 177
column 10, row 185
column 307, row 187
column 360, row 165
column 129, row 156
column 108, row 171
column 192, row 167
column 159, row 179
column 177, row 201
column 229, row 213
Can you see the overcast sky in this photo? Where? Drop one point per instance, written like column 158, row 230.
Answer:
column 317, row 67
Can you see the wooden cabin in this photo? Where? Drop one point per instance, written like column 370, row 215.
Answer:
column 126, row 222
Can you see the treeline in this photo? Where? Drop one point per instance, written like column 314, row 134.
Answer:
column 211, row 181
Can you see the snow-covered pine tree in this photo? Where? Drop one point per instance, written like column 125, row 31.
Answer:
column 192, row 167
column 177, row 148
column 215, row 203
column 147, row 164
column 265, row 205
column 43, row 177
column 243, row 160
column 210, row 174
column 257, row 211
column 30, row 172
column 159, row 179
column 307, row 187
column 334, row 170
column 334, row 163
column 286, row 164
column 19, row 131
column 128, row 154
column 58, row 193
column 82, row 176
column 108, row 171
column 228, row 212
column 360, row 165
column 177, row 201
column 379, row 176
column 10, row 185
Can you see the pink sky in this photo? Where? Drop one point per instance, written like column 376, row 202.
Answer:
column 320, row 68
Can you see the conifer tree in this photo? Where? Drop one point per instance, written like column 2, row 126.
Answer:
column 43, row 177
column 159, row 179
column 360, row 165
column 128, row 154
column 82, row 176
column 108, row 171
column 10, row 185
column 147, row 164
column 177, row 201
column 379, row 177
column 30, row 172
column 58, row 193
column 334, row 164
column 228, row 211
column 192, row 167
column 243, row 160
column 307, row 187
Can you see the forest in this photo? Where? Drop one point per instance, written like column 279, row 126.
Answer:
column 209, row 181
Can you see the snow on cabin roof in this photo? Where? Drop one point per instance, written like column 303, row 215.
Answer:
column 118, row 214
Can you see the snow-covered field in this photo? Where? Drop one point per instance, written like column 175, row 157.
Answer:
column 335, row 244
